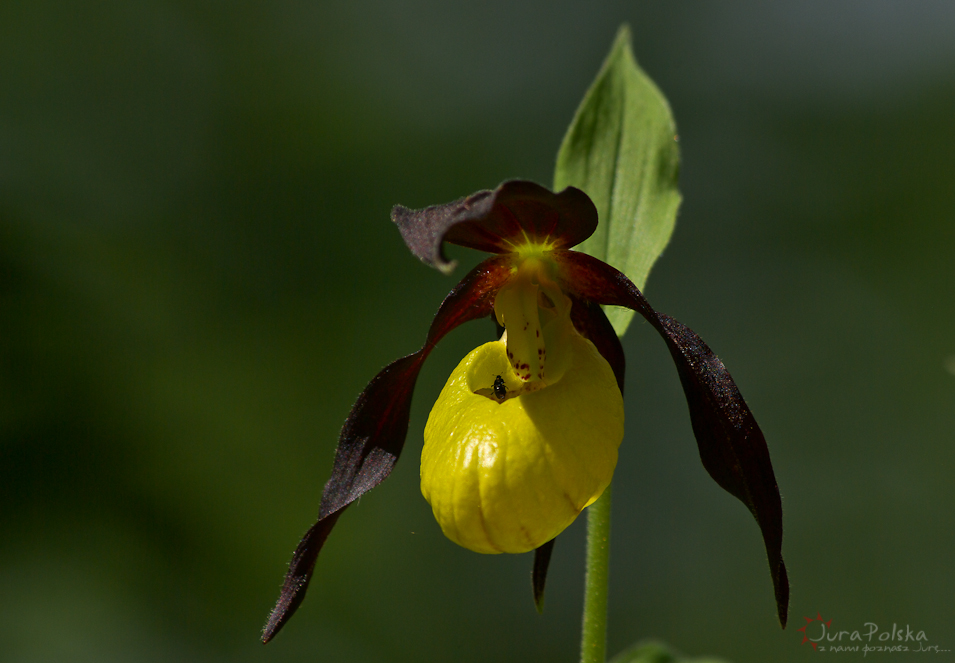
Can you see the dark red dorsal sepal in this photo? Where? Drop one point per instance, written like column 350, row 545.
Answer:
column 496, row 221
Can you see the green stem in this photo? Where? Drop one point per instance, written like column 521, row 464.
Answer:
column 593, row 641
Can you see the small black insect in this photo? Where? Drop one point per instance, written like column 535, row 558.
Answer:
column 500, row 389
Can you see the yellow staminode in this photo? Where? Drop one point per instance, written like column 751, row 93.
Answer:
column 509, row 463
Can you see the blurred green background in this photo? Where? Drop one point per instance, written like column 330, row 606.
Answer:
column 198, row 275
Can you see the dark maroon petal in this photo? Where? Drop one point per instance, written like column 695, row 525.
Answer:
column 374, row 433
column 592, row 323
column 539, row 574
column 732, row 446
column 494, row 221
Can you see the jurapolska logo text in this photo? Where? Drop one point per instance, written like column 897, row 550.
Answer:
column 820, row 634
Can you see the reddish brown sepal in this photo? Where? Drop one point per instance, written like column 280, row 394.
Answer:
column 494, row 221
column 374, row 432
column 539, row 573
column 592, row 323
column 732, row 446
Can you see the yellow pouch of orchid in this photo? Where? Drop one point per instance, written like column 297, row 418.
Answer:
column 509, row 475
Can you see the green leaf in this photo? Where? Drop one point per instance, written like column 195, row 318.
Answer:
column 656, row 652
column 621, row 149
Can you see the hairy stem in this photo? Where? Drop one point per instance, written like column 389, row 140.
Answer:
column 593, row 641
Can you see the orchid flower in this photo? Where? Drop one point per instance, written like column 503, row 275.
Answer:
column 525, row 433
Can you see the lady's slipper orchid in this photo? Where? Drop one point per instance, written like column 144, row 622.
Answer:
column 525, row 433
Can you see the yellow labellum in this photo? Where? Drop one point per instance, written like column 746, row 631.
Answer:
column 509, row 474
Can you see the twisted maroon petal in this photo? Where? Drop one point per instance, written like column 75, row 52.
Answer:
column 732, row 446
column 494, row 221
column 374, row 432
